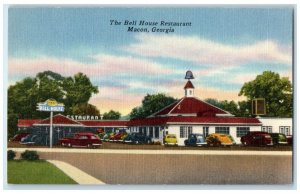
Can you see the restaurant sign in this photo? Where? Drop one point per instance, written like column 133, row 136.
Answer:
column 51, row 105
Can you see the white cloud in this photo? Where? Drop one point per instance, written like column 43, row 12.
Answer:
column 105, row 65
column 203, row 51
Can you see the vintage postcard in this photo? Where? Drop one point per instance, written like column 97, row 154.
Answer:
column 141, row 95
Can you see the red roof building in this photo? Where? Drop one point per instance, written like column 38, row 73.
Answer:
column 27, row 122
column 185, row 116
column 60, row 120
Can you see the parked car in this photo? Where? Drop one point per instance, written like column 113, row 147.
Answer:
column 19, row 136
column 279, row 139
column 137, row 138
column 257, row 138
column 123, row 137
column 81, row 140
column 170, row 139
column 117, row 136
column 289, row 139
column 195, row 139
column 30, row 140
column 107, row 136
column 218, row 139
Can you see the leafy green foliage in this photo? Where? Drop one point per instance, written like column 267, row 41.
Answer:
column 111, row 115
column 151, row 104
column 11, row 155
column 30, row 155
column 240, row 109
column 85, row 109
column 78, row 90
column 276, row 90
column 23, row 97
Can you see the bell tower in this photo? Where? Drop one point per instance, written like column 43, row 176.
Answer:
column 189, row 87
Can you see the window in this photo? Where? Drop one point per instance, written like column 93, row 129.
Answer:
column 205, row 131
column 83, row 137
column 185, row 131
column 140, row 130
column 144, row 131
column 151, row 132
column 285, row 130
column 267, row 129
column 156, row 133
column 241, row 131
column 224, row 130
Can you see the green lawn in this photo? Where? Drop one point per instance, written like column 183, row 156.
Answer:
column 35, row 172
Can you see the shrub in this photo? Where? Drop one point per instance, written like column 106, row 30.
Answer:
column 11, row 154
column 30, row 155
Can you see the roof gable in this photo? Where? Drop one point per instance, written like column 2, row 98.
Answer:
column 58, row 120
column 27, row 122
column 191, row 106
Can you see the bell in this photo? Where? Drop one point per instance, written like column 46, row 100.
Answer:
column 189, row 75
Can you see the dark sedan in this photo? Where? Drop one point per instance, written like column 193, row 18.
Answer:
column 137, row 138
column 257, row 138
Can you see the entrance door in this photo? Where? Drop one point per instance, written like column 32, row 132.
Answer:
column 205, row 131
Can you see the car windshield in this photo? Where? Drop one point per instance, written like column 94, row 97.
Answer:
column 171, row 136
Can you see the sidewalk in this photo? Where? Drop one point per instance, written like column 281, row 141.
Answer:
column 76, row 174
column 158, row 152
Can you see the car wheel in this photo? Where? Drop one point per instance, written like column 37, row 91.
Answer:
column 69, row 145
column 246, row 143
column 89, row 145
column 62, row 144
column 148, row 141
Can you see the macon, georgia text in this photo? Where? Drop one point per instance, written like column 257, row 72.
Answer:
column 150, row 26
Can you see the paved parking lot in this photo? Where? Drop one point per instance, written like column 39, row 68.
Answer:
column 113, row 168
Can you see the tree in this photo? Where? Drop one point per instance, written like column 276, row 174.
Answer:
column 151, row 104
column 111, row 115
column 240, row 109
column 24, row 95
column 78, row 90
column 276, row 90
column 85, row 109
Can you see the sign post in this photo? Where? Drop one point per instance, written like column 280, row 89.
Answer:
column 51, row 106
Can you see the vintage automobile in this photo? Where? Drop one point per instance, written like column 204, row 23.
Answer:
column 117, row 136
column 195, row 139
column 137, row 138
column 279, row 139
column 89, row 140
column 107, row 136
column 123, row 137
column 218, row 139
column 257, row 138
column 289, row 139
column 170, row 139
column 18, row 137
column 31, row 139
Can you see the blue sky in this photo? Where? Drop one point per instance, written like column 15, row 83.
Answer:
column 224, row 47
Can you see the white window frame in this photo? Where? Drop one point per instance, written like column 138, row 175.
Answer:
column 185, row 131
column 241, row 131
column 220, row 129
column 286, row 130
